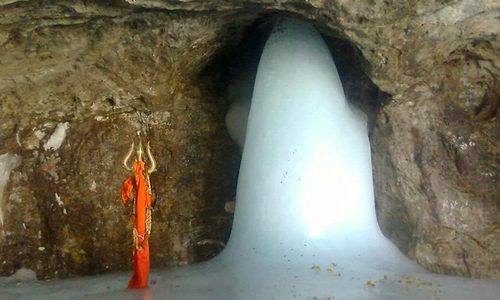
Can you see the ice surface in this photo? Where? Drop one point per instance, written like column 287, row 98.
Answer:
column 305, row 225
column 57, row 138
column 240, row 95
column 22, row 275
column 236, row 118
column 7, row 163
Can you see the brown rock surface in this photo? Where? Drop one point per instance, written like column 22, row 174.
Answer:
column 112, row 68
column 109, row 78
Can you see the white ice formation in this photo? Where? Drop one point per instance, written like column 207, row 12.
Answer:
column 7, row 163
column 57, row 138
column 305, row 224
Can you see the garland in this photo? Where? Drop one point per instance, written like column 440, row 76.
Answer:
column 149, row 210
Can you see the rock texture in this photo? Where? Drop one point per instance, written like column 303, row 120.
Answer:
column 108, row 78
column 107, row 69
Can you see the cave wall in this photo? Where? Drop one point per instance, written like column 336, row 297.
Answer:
column 111, row 68
column 106, row 79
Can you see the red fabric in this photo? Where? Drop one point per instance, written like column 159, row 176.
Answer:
column 141, row 269
column 142, row 202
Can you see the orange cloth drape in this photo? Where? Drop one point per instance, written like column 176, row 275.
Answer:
column 138, row 181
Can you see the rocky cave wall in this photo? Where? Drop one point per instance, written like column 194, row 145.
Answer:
column 107, row 78
column 107, row 69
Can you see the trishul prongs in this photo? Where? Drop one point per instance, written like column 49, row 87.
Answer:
column 125, row 161
column 139, row 154
column 152, row 168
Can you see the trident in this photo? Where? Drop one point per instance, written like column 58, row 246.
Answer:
column 139, row 153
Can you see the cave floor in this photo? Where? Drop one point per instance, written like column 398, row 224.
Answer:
column 224, row 279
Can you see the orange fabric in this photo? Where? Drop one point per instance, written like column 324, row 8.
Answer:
column 142, row 202
column 127, row 187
